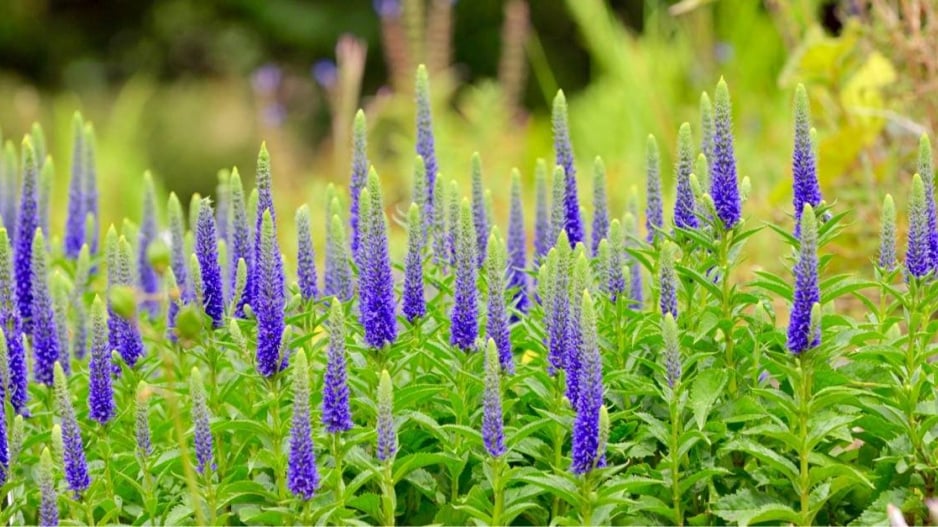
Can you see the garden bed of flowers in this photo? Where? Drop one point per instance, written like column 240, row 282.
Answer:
column 575, row 366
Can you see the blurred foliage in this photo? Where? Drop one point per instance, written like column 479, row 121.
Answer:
column 176, row 86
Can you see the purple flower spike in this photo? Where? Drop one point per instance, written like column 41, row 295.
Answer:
column 336, row 413
column 479, row 218
column 413, row 300
column 493, row 433
column 223, row 207
column 564, row 151
column 672, row 350
column 580, row 280
column 496, row 321
column 558, row 213
column 305, row 258
column 8, row 199
column 887, row 238
column 636, row 287
column 265, row 202
column 4, row 449
column 206, row 250
column 542, row 231
column 149, row 281
column 376, row 283
column 387, row 433
column 706, row 137
column 586, row 427
column 917, row 262
column 123, row 333
column 10, row 327
column 177, row 238
column 241, row 246
column 723, row 184
column 802, row 333
column 76, row 468
column 425, row 142
column 559, row 303
column 48, row 505
column 685, row 205
column 269, row 301
column 75, row 218
column 358, row 178
column 517, row 247
column 667, row 280
column 302, row 476
column 46, row 345
column 806, row 189
column 654, row 210
column 337, row 276
column 204, row 451
column 600, row 205
column 91, row 190
column 26, row 225
column 100, row 392
column 926, row 170
column 465, row 314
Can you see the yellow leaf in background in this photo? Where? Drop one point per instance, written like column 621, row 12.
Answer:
column 528, row 356
column 819, row 57
column 862, row 96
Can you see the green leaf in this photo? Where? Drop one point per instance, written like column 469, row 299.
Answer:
column 766, row 455
column 745, row 508
column 704, row 393
column 555, row 485
column 875, row 513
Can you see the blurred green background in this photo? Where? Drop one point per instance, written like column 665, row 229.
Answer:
column 188, row 87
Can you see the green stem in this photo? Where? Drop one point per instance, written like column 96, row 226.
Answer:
column 729, row 356
column 804, row 379
column 559, row 433
column 89, row 511
column 675, row 461
column 180, row 428
column 912, row 385
column 210, row 496
column 586, row 499
column 148, row 487
column 339, row 480
column 276, row 437
column 388, row 499
column 498, row 491
column 108, row 481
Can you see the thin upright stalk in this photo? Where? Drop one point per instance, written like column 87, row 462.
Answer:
column 339, row 480
column 675, row 460
column 804, row 394
column 388, row 499
column 498, row 490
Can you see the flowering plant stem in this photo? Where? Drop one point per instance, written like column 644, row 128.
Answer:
column 148, row 488
column 388, row 499
column 559, row 433
column 804, row 377
column 276, row 437
column 674, row 454
column 106, row 442
column 586, row 499
column 914, row 377
column 726, row 242
column 209, row 489
column 498, row 489
column 339, row 481
column 181, row 438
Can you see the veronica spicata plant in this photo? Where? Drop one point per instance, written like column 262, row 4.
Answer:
column 615, row 380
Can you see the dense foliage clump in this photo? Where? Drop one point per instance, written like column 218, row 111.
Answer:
column 182, row 375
